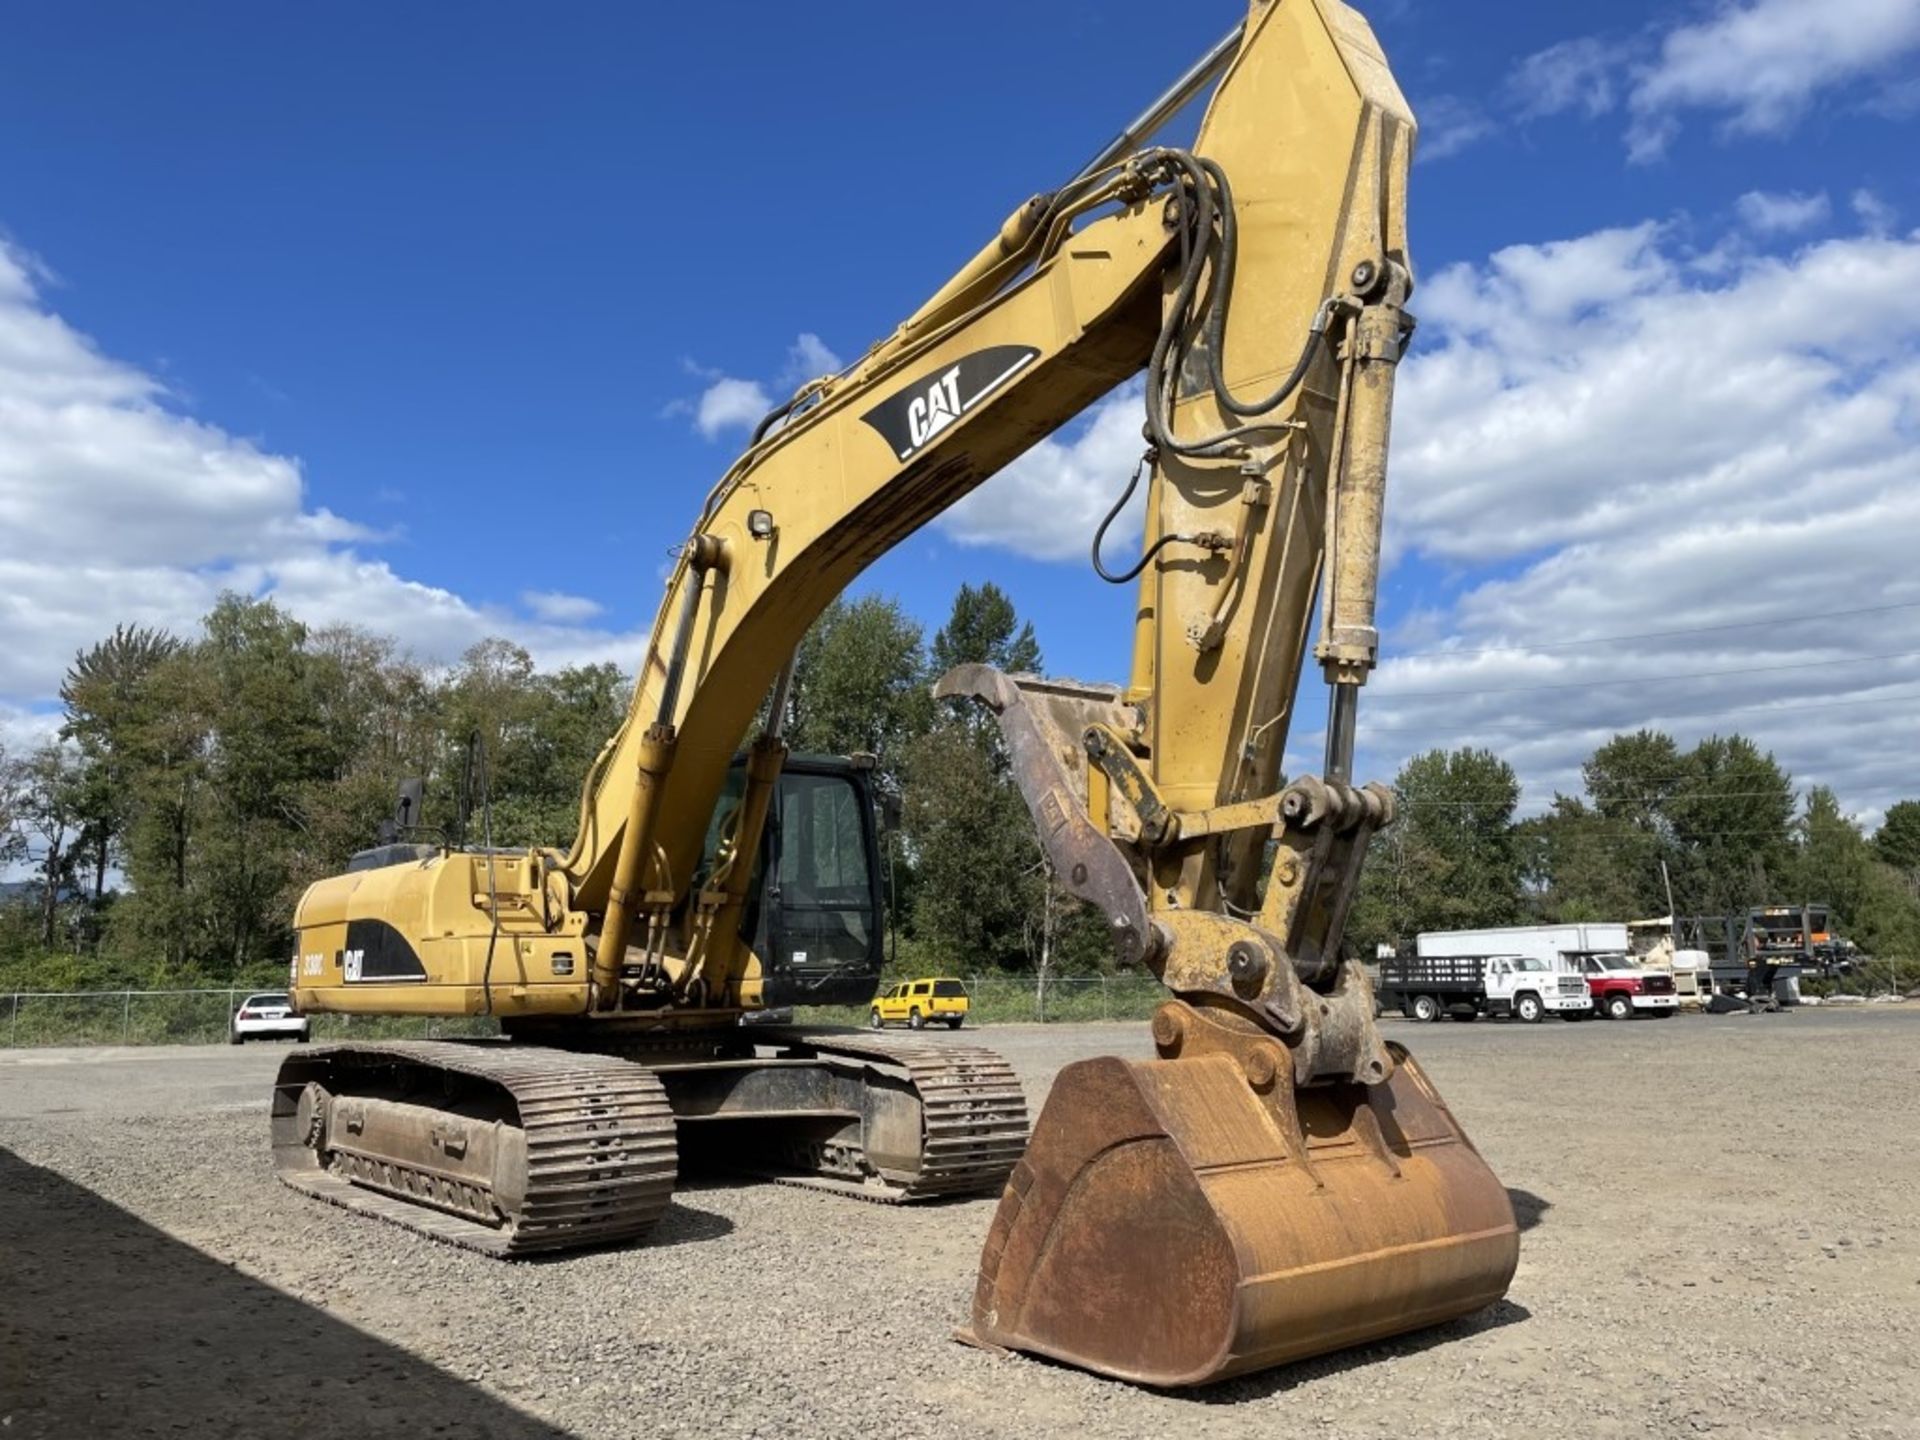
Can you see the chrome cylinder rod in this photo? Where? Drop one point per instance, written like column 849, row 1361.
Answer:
column 1203, row 72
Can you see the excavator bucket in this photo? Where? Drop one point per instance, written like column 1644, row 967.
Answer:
column 1176, row 1222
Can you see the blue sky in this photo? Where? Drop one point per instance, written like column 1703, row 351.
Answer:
column 409, row 323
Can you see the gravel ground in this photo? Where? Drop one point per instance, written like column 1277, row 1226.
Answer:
column 1720, row 1236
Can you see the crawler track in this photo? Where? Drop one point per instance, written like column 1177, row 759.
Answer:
column 600, row 1153
column 975, row 1126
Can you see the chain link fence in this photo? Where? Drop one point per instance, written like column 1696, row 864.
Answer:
column 204, row 1017
column 183, row 1017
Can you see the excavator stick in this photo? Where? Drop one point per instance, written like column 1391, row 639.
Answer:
column 1181, row 1220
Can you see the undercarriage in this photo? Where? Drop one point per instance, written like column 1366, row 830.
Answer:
column 513, row 1148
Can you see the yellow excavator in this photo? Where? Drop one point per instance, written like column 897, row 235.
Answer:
column 1279, row 1181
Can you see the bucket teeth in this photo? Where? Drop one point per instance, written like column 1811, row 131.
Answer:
column 1171, row 1226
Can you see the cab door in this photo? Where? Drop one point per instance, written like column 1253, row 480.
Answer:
column 889, row 1004
column 1500, row 981
column 921, row 1000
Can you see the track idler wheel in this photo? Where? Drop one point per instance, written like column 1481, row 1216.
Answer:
column 1182, row 1220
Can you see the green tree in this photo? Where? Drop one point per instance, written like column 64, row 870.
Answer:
column 164, row 739
column 977, row 864
column 48, row 795
column 571, row 714
column 984, row 629
column 379, row 716
column 1834, row 855
column 1391, row 906
column 983, row 893
column 268, row 747
column 13, row 838
column 1631, row 778
column 1870, row 899
column 1732, row 827
column 490, row 705
column 225, row 742
column 1897, row 842
column 1719, row 817
column 101, row 693
column 1581, row 866
column 860, row 683
column 1453, row 861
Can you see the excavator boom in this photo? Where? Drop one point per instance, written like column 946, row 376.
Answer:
column 1278, row 1180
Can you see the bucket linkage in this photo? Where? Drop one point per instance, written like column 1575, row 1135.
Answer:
column 1280, row 1181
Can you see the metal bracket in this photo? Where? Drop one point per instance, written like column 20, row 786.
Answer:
column 1322, row 840
column 1109, row 752
column 1082, row 856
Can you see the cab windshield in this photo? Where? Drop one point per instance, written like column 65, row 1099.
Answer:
column 826, row 890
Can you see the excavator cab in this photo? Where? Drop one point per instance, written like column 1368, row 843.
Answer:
column 816, row 911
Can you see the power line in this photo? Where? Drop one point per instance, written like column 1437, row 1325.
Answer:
column 1494, row 798
column 1646, row 679
column 1546, row 723
column 1655, row 634
column 1683, row 842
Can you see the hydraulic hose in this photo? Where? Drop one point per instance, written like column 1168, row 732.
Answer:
column 1209, row 250
column 1100, row 535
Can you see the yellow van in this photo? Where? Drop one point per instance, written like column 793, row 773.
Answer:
column 920, row 1002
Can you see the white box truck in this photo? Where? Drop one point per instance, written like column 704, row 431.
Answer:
column 1550, row 943
column 1520, row 970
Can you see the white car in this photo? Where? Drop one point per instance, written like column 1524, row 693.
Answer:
column 268, row 1015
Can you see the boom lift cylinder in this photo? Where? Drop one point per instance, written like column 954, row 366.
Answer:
column 654, row 760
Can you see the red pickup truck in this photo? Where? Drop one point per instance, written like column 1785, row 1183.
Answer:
column 1622, row 989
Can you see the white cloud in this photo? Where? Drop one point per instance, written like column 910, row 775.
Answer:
column 731, row 403
column 1448, row 125
column 1897, row 99
column 808, row 358
column 1758, row 65
column 1577, row 75
column 559, row 607
column 1604, row 437
column 115, row 506
column 23, row 731
column 1874, row 213
column 1781, row 214
column 1762, row 63
column 1047, row 504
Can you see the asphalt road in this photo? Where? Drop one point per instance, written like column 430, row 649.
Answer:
column 1719, row 1235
